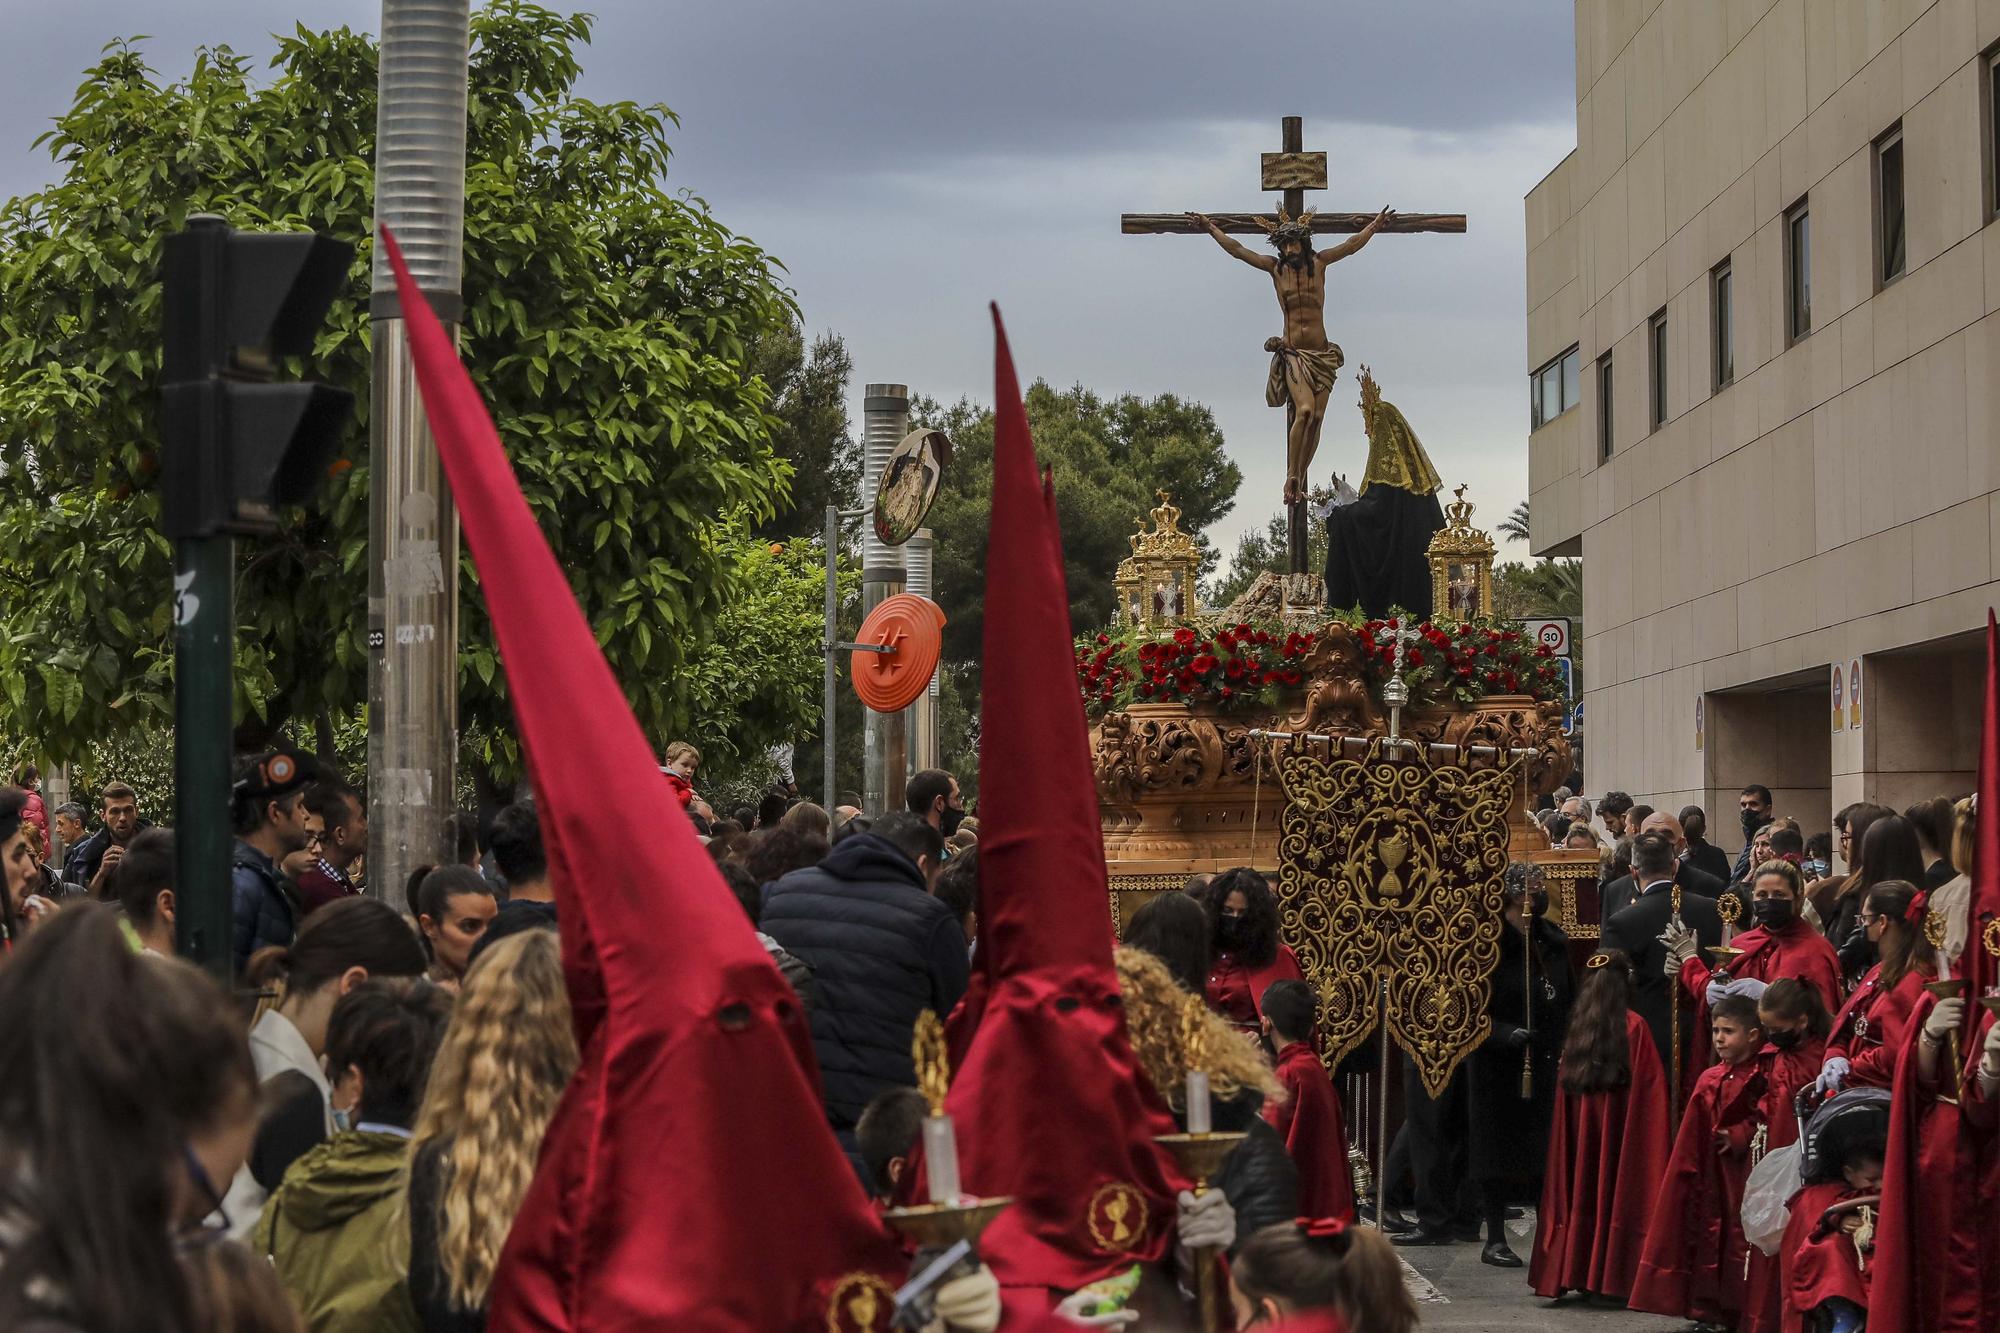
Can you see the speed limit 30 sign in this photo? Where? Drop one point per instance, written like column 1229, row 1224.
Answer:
column 1550, row 634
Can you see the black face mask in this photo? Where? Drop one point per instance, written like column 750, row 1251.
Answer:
column 1538, row 903
column 1232, row 932
column 1773, row 913
column 1787, row 1041
column 1752, row 821
column 949, row 819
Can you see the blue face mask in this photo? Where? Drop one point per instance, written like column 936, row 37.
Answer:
column 342, row 1120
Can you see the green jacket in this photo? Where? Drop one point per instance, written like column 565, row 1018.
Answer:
column 336, row 1232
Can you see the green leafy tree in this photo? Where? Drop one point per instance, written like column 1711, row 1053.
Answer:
column 1109, row 457
column 610, row 324
column 1540, row 588
column 809, row 400
column 1515, row 525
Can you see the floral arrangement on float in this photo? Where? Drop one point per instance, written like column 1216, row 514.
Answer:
column 1251, row 666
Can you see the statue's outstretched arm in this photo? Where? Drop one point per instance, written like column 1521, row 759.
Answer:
column 1234, row 246
column 1354, row 242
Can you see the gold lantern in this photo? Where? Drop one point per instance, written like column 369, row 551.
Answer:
column 1461, row 559
column 1156, row 582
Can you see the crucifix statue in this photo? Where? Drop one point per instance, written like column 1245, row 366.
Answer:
column 1303, row 359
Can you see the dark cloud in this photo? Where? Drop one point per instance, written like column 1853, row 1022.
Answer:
column 910, row 159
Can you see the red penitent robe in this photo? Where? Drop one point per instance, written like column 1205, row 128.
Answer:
column 1695, row 1259
column 1869, row 1028
column 1797, row 950
column 1927, row 1269
column 1310, row 1123
column 1236, row 990
column 1819, row 1259
column 1607, row 1153
column 1785, row 1072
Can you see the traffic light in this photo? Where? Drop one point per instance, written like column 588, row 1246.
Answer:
column 235, row 444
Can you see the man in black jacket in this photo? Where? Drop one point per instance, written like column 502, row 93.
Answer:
column 1620, row 893
column 882, row 951
column 1638, row 929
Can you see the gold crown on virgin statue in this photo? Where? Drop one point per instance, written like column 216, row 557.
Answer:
column 1371, row 393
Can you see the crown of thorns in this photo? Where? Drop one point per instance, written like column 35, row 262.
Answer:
column 1288, row 228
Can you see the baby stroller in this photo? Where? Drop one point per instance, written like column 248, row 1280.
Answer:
column 1831, row 1128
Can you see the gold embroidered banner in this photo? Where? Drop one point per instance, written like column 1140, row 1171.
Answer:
column 1397, row 870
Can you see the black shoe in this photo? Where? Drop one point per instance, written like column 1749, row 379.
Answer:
column 1497, row 1254
column 1394, row 1221
column 1420, row 1236
column 1516, row 1214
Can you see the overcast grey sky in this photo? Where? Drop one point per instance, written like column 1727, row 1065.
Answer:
column 911, row 159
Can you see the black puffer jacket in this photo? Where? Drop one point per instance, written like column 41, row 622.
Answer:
column 882, row 950
column 1259, row 1178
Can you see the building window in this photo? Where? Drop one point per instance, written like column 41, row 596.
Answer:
column 1656, row 344
column 1552, row 390
column 1722, row 308
column 1891, row 240
column 1991, row 126
column 1798, row 272
column 1604, row 406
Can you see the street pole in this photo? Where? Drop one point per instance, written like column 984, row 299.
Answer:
column 922, row 715
column 412, row 523
column 885, row 412
column 827, row 727
column 204, row 623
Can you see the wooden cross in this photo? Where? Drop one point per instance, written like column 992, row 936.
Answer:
column 1294, row 171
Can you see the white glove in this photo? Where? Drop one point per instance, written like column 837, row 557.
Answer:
column 970, row 1304
column 1944, row 1020
column 1680, row 942
column 1749, row 986
column 1831, row 1075
column 1071, row 1309
column 1206, row 1221
column 1989, row 1064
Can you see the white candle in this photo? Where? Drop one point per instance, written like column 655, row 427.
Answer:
column 1197, row 1103
column 941, row 1159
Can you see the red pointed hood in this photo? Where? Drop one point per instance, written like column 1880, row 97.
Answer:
column 1050, row 1047
column 1977, row 965
column 692, row 1133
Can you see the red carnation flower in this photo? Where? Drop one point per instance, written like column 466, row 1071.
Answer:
column 1184, row 636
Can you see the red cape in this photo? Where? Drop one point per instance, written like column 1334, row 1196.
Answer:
column 1926, row 1274
column 1051, row 1104
column 1785, row 1072
column 1607, row 1153
column 1225, row 987
column 1796, row 951
column 691, row 1133
column 1310, row 1123
column 1695, row 1259
column 1870, row 1027
column 1819, row 1266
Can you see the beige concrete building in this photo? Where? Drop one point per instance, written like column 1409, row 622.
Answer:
column 1764, row 357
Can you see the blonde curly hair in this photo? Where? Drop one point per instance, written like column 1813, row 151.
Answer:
column 500, row 1070
column 1155, row 1009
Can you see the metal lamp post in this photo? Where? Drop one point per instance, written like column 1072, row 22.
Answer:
column 412, row 524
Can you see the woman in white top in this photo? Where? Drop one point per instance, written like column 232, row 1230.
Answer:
column 340, row 946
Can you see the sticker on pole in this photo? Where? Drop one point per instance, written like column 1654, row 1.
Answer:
column 1550, row 634
column 909, row 627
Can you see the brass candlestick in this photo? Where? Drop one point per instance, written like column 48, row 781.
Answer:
column 956, row 1217
column 1201, row 1153
column 1946, row 988
column 1730, row 909
column 1201, row 1156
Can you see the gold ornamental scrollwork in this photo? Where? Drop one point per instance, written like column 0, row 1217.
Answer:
column 1393, row 868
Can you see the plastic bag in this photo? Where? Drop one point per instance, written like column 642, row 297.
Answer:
column 1767, row 1197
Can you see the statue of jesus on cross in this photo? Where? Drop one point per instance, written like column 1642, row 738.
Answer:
column 1303, row 361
